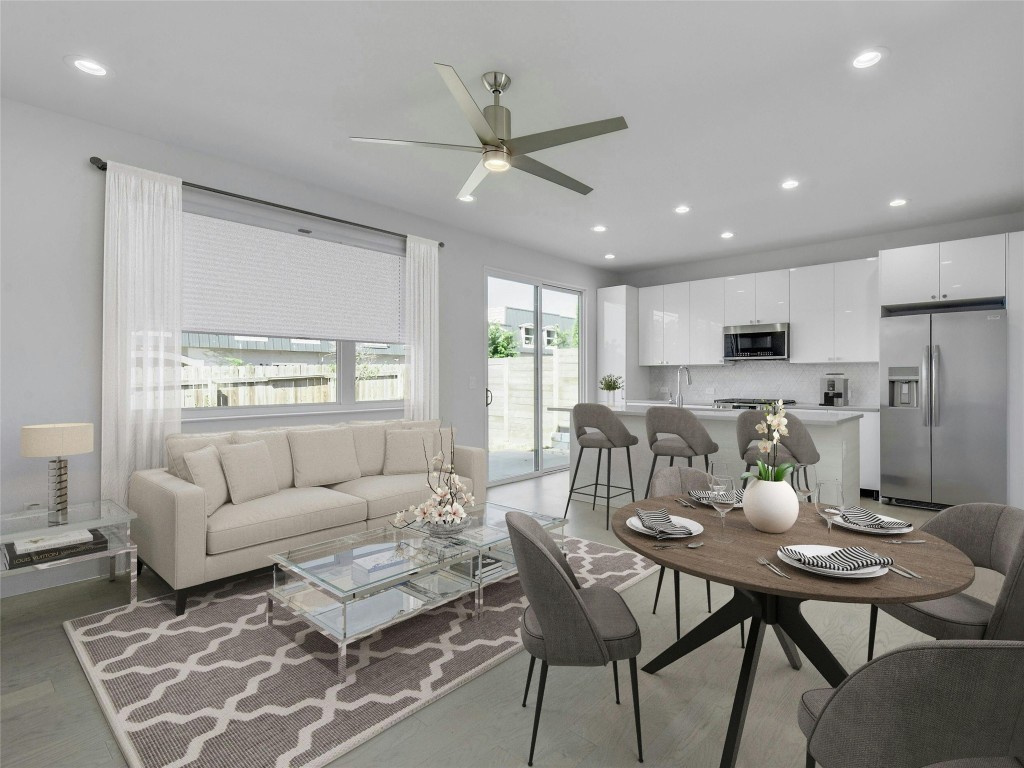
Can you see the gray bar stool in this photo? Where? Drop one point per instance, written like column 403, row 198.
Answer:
column 676, row 433
column 609, row 433
column 795, row 448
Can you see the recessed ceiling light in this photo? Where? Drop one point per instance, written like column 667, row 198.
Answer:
column 869, row 58
column 897, row 202
column 89, row 66
column 726, row 235
column 609, row 255
column 599, row 228
column 683, row 209
column 467, row 198
column 790, row 184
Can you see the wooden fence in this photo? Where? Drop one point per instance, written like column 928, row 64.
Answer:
column 510, row 417
column 286, row 384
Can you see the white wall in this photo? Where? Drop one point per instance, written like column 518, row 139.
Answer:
column 820, row 253
column 52, row 265
column 1015, row 367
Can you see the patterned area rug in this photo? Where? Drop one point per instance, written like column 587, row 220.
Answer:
column 219, row 687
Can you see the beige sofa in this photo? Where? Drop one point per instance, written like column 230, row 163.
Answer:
column 184, row 536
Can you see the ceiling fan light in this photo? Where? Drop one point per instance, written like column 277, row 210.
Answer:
column 497, row 160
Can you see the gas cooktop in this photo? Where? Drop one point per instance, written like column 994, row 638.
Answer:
column 748, row 402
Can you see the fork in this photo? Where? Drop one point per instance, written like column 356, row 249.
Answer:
column 905, row 541
column 762, row 561
column 685, row 503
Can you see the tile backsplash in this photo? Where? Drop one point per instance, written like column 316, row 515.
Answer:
column 765, row 378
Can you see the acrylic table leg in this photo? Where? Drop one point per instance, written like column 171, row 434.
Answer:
column 270, row 611
column 112, row 561
column 133, row 574
column 342, row 659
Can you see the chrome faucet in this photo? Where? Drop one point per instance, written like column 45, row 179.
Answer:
column 679, row 389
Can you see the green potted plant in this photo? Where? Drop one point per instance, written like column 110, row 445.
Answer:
column 611, row 384
column 769, row 502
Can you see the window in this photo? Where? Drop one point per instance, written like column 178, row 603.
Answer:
column 550, row 336
column 221, row 370
column 380, row 371
column 526, row 333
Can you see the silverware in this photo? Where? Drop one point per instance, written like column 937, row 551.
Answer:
column 762, row 561
column 898, row 572
column 695, row 545
column 685, row 503
column 904, row 568
column 904, row 541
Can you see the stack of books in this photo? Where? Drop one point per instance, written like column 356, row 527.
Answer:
column 59, row 546
column 381, row 565
column 473, row 569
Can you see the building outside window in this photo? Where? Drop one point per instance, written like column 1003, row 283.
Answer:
column 526, row 334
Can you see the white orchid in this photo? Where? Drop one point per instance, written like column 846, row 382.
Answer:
column 774, row 424
column 449, row 494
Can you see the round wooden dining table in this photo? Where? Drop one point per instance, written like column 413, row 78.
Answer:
column 730, row 556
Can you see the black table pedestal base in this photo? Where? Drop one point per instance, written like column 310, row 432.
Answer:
column 783, row 615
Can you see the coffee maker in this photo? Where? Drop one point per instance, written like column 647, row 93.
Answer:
column 835, row 390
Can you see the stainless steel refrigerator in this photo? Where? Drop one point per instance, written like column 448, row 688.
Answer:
column 943, row 407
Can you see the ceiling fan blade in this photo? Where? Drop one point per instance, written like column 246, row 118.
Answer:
column 479, row 174
column 528, row 164
column 522, row 145
column 460, row 147
column 466, row 103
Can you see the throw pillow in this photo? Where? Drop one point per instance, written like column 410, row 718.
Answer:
column 407, row 451
column 205, row 470
column 280, row 453
column 323, row 456
column 249, row 471
column 177, row 445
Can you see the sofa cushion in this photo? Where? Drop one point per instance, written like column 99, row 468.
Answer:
column 287, row 513
column 323, row 456
column 369, row 442
column 206, row 471
column 386, row 494
column 408, row 450
column 176, row 446
column 249, row 471
column 280, row 452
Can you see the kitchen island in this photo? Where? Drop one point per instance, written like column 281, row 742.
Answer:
column 836, row 435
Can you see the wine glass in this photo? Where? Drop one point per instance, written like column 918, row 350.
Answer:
column 723, row 495
column 829, row 501
column 805, row 481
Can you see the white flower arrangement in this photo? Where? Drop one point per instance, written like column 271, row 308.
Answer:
column 449, row 496
column 774, row 424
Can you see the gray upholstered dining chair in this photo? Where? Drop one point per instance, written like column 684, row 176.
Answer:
column 954, row 703
column 992, row 536
column 566, row 625
column 678, row 481
column 795, row 448
column 597, row 427
column 676, row 433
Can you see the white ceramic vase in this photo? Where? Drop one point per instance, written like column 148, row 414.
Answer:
column 770, row 506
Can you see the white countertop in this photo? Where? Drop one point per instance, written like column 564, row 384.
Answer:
column 823, row 418
column 697, row 406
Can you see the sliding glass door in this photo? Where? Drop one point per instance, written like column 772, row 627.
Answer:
column 533, row 375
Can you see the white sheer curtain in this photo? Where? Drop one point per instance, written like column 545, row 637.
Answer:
column 421, row 329
column 141, row 323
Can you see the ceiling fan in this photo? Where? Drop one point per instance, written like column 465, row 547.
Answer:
column 493, row 127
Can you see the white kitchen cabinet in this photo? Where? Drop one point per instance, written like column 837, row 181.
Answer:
column 973, row 268
column 811, row 314
column 677, row 323
column 909, row 275
column 772, row 296
column 757, row 298
column 856, row 312
column 650, row 308
column 957, row 270
column 617, row 314
column 870, row 451
column 664, row 324
column 740, row 302
column 707, row 316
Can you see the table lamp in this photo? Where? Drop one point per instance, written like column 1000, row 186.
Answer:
column 56, row 440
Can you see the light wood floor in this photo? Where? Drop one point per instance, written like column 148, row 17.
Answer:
column 49, row 716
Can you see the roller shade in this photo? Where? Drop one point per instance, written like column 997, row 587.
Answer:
column 241, row 278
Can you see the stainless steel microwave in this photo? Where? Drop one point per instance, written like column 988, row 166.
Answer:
column 757, row 342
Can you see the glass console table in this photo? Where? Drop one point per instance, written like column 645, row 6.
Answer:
column 351, row 587
column 108, row 517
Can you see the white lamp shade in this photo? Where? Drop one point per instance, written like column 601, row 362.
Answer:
column 41, row 440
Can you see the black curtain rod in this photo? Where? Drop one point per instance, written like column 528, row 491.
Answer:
column 102, row 165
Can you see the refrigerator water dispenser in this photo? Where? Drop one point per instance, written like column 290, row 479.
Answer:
column 904, row 383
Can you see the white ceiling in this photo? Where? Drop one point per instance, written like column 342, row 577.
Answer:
column 724, row 100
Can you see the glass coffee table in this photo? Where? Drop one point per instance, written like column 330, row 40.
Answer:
column 108, row 517
column 351, row 587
